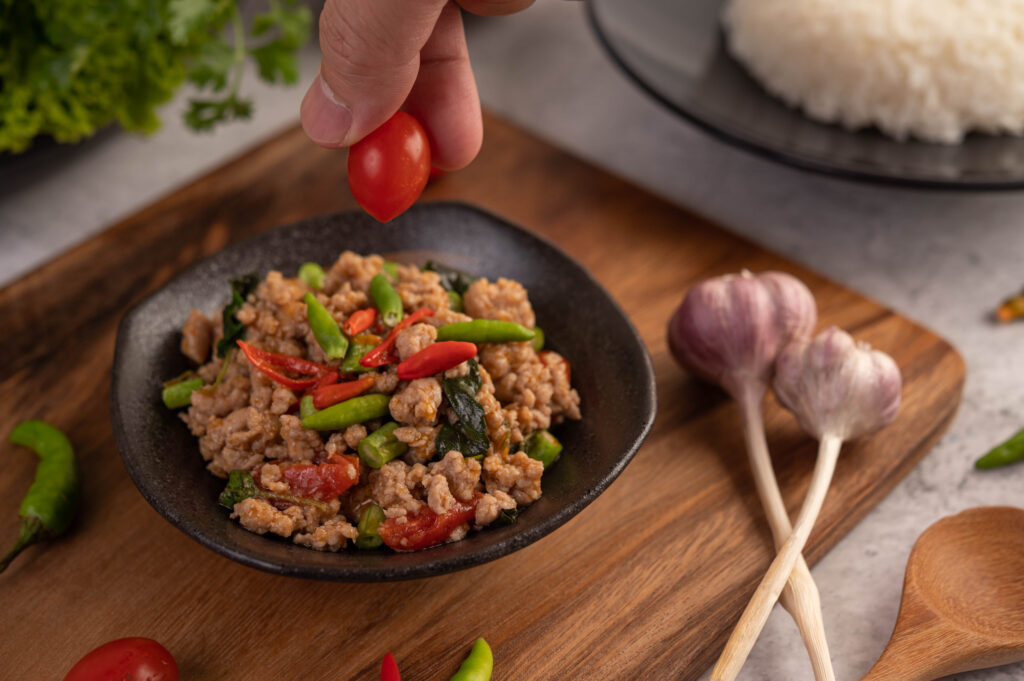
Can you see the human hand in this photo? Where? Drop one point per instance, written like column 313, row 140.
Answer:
column 380, row 55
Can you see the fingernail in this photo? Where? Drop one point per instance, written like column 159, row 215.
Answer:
column 325, row 119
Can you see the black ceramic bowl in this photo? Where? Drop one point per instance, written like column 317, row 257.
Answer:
column 611, row 370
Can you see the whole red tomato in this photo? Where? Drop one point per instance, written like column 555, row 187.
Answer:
column 126, row 659
column 388, row 168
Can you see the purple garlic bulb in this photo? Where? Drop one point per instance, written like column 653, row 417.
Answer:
column 729, row 329
column 836, row 386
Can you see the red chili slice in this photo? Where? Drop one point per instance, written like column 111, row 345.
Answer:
column 436, row 358
column 269, row 363
column 426, row 528
column 325, row 481
column 385, row 353
column 360, row 321
column 339, row 392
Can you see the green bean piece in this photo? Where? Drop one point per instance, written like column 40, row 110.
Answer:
column 478, row 665
column 390, row 268
column 544, row 447
column 349, row 413
column 312, row 275
column 306, row 406
column 369, row 520
column 485, row 331
column 49, row 506
column 326, row 331
column 355, row 353
column 1008, row 452
column 179, row 394
column 381, row 446
column 538, row 339
column 387, row 300
column 455, row 302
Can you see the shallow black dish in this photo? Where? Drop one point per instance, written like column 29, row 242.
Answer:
column 611, row 370
column 674, row 50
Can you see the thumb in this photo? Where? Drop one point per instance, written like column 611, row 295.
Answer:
column 371, row 52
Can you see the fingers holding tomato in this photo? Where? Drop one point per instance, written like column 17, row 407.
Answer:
column 388, row 169
column 138, row 659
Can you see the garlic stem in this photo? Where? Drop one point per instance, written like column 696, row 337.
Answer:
column 756, row 614
column 800, row 595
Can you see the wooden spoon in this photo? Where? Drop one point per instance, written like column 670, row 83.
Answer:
column 963, row 598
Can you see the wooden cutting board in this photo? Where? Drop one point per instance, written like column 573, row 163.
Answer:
column 644, row 583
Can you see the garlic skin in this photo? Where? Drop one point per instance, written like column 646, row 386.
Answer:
column 836, row 386
column 730, row 329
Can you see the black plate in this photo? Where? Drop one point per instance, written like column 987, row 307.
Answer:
column 674, row 50
column 611, row 370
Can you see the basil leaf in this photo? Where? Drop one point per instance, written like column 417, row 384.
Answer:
column 507, row 517
column 240, row 486
column 469, row 432
column 451, row 279
column 234, row 329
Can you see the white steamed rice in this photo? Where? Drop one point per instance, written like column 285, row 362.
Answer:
column 931, row 69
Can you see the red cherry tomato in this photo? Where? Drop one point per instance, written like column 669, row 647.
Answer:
column 388, row 169
column 426, row 528
column 137, row 659
column 323, row 481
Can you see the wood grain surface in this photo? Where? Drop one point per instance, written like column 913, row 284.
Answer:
column 644, row 583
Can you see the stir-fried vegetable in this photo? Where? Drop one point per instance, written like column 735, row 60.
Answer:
column 348, row 413
column 234, row 330
column 386, row 299
column 381, row 446
column 312, row 275
column 329, row 395
column 369, row 520
column 436, row 358
column 179, row 394
column 326, row 331
column 426, row 528
column 385, row 353
column 269, row 363
column 485, row 331
column 468, row 434
column 241, row 486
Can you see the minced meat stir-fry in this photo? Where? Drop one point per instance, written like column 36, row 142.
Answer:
column 374, row 402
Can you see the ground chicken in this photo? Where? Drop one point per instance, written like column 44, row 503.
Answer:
column 249, row 422
column 417, row 403
column 196, row 337
column 518, row 475
column 504, row 299
column 353, row 269
column 421, row 441
column 411, row 340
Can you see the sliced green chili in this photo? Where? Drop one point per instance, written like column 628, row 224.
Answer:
column 390, row 268
column 1008, row 452
column 369, row 520
column 485, row 331
column 538, row 339
column 455, row 301
column 326, row 331
column 348, row 413
column 478, row 666
column 48, row 507
column 355, row 353
column 387, row 300
column 544, row 447
column 312, row 275
column 178, row 395
column 381, row 446
column 306, row 406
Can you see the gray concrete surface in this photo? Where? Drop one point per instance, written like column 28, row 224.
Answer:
column 941, row 258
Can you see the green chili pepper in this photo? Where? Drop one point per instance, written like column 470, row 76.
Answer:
column 178, row 395
column 369, row 520
column 312, row 275
column 391, row 269
column 478, row 666
column 538, row 339
column 349, row 413
column 306, row 406
column 387, row 300
column 48, row 507
column 544, row 447
column 381, row 446
column 455, row 301
column 355, row 353
column 1008, row 452
column 326, row 331
column 485, row 331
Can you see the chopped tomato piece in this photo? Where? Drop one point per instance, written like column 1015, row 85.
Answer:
column 325, row 481
column 426, row 528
